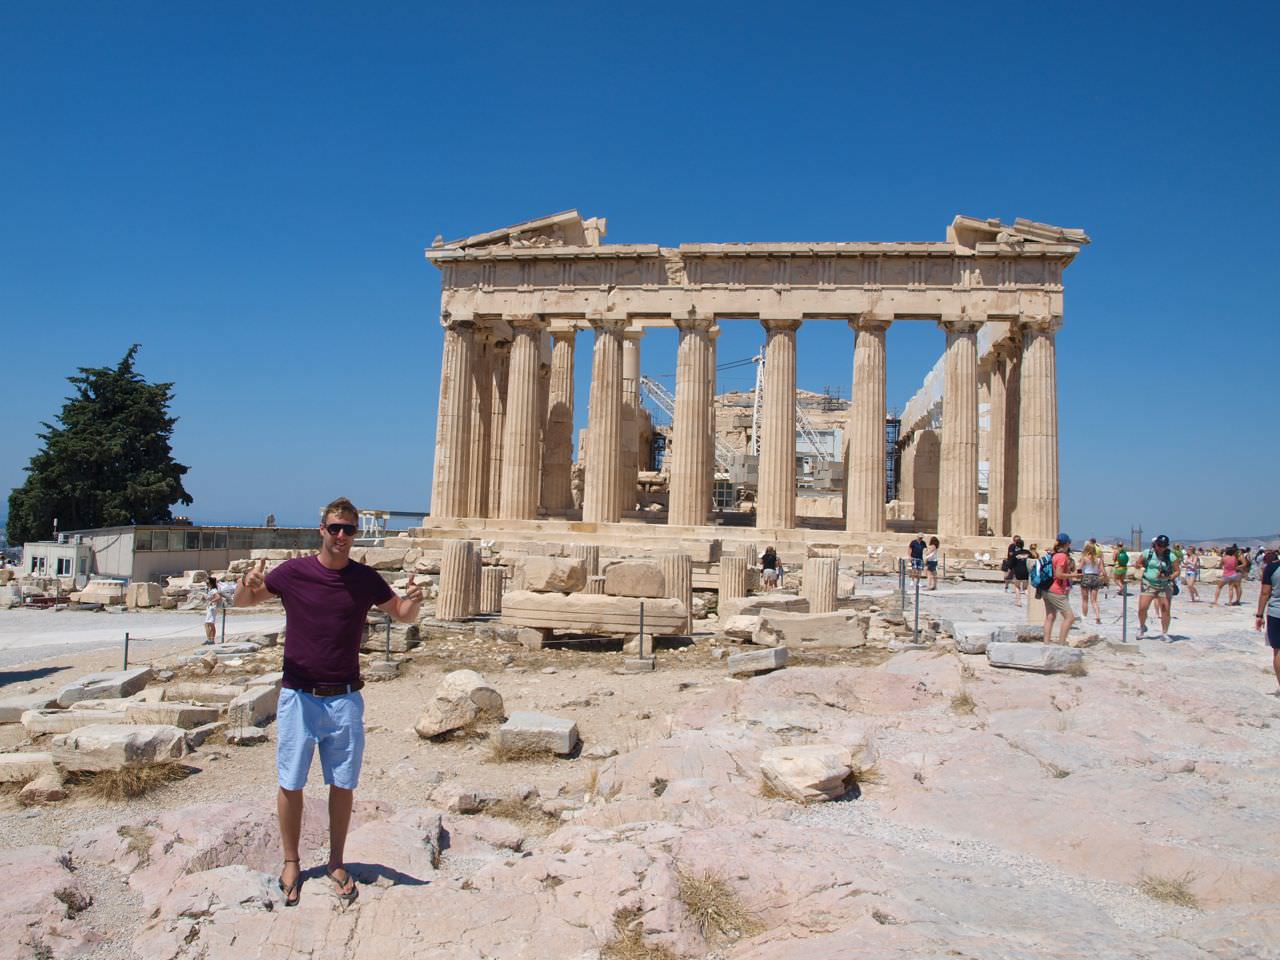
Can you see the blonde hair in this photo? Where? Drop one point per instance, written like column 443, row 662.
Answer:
column 341, row 507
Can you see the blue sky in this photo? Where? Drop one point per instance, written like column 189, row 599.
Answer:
column 246, row 190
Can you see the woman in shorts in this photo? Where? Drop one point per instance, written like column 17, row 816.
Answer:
column 1021, row 573
column 1056, row 602
column 1092, row 579
column 1121, row 568
column 931, row 563
column 1191, row 572
column 1230, row 576
column 1159, row 574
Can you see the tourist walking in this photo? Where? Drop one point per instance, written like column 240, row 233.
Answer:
column 915, row 550
column 1014, row 546
column 1018, row 565
column 214, row 603
column 1269, row 611
column 1056, row 602
column 1121, row 569
column 1230, row 577
column 1191, row 572
column 1092, row 578
column 931, row 562
column 1159, row 580
column 326, row 599
column 769, row 568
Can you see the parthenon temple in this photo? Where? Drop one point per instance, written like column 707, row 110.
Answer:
column 514, row 300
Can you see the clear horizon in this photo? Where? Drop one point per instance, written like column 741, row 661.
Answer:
column 247, row 193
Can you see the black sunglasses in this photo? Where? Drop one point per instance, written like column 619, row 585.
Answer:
column 336, row 528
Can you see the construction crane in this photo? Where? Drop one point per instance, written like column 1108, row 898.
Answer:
column 802, row 422
column 667, row 403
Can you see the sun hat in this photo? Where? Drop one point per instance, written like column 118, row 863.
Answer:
column 1063, row 538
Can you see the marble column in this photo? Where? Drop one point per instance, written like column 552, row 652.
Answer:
column 733, row 577
column 453, row 439
column 1037, row 517
column 557, row 463
column 544, row 403
column 864, row 481
column 925, row 456
column 677, row 575
column 708, row 477
column 996, row 444
column 600, row 496
column 776, row 498
column 821, row 584
column 958, row 469
column 629, row 463
column 481, row 429
column 521, row 461
column 452, row 601
column 695, row 396
column 1012, row 414
column 499, row 362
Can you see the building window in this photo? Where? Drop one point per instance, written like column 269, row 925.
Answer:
column 193, row 539
column 175, row 538
column 141, row 541
column 64, row 567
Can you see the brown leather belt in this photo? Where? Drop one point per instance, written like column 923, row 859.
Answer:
column 331, row 689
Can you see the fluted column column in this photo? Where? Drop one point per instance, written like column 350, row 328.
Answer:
column 481, row 429
column 453, row 437
column 521, row 432
column 500, row 359
column 958, row 469
column 708, row 476
column 557, row 464
column 1037, row 517
column 629, row 463
column 864, row 481
column 776, row 498
column 544, row 403
column 996, row 444
column 1012, row 426
column 695, row 396
column 604, row 424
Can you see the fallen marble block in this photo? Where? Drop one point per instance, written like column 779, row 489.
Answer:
column 12, row 708
column 808, row 773
column 973, row 638
column 114, row 747
column 753, row 606
column 1040, row 657
column 758, row 661
column 634, row 578
column 22, row 767
column 184, row 715
column 255, row 706
column 780, row 628
column 38, row 723
column 528, row 732
column 101, row 686
column 593, row 613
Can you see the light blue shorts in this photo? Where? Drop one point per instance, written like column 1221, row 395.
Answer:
column 335, row 724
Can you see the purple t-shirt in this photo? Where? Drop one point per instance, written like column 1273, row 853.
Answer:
column 325, row 613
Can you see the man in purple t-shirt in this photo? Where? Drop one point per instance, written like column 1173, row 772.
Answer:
column 326, row 599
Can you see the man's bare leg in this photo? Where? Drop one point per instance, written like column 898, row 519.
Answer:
column 1275, row 665
column 340, row 802
column 289, row 812
column 1068, row 619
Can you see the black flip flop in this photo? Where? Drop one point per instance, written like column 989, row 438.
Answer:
column 292, row 893
column 344, row 894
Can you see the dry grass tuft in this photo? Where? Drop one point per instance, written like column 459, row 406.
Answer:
column 963, row 702
column 714, row 906
column 516, row 753
column 139, row 842
column 130, row 782
column 1077, row 669
column 527, row 815
column 628, row 942
column 1175, row 890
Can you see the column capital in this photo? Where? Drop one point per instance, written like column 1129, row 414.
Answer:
column 607, row 324
column 633, row 334
column 525, row 321
column 869, row 322
column 778, row 325
column 563, row 334
column 1040, row 323
column 959, row 323
column 457, row 321
column 695, row 324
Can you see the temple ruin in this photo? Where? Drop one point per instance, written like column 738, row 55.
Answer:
column 514, row 300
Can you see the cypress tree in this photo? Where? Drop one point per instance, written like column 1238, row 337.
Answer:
column 107, row 463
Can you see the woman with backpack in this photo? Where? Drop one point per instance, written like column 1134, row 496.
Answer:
column 1121, row 568
column 1018, row 561
column 1062, row 571
column 1159, row 581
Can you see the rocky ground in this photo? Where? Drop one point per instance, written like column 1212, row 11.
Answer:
column 1126, row 812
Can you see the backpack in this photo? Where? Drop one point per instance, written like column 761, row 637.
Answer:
column 1042, row 572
